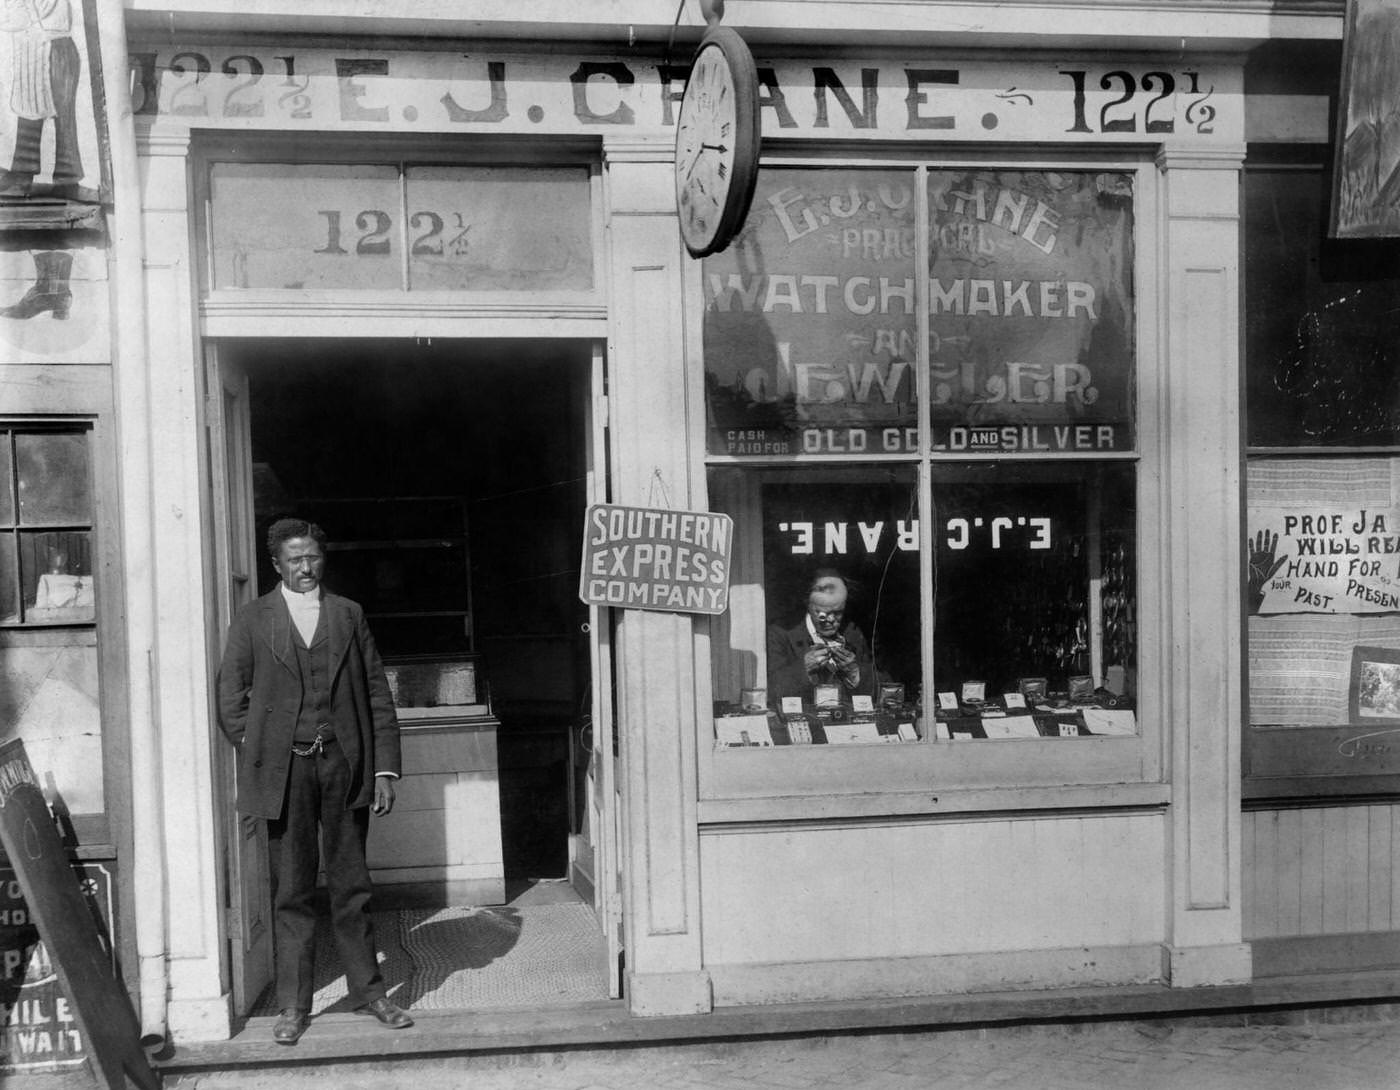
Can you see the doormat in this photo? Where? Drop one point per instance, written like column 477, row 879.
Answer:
column 468, row 958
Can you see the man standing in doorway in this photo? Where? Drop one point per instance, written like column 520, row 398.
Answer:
column 303, row 695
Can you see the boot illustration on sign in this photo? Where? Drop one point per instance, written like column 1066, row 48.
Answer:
column 50, row 293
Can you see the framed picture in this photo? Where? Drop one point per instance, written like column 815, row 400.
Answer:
column 1374, row 695
column 1366, row 178
column 435, row 686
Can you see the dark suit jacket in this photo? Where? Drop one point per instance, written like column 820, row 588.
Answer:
column 260, row 692
column 786, row 646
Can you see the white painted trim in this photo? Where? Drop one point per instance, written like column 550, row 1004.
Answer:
column 1208, row 966
column 654, row 995
column 999, row 803
column 298, row 316
column 947, row 974
column 1202, row 24
column 194, row 1020
column 132, row 396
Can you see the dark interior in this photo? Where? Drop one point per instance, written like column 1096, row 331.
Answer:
column 450, row 479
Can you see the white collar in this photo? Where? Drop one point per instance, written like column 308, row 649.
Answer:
column 301, row 599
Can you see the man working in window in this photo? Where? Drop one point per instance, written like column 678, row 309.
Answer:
column 822, row 650
column 303, row 695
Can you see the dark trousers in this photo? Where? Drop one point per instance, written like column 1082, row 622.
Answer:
column 65, row 70
column 316, row 804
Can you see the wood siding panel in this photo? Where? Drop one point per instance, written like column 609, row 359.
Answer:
column 1378, row 869
column 1288, row 860
column 1310, row 872
column 1395, row 871
column 1338, row 884
column 805, row 894
column 1257, row 841
column 1325, row 871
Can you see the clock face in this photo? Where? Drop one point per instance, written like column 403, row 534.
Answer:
column 716, row 143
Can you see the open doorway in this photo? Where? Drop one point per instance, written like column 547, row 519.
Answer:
column 451, row 477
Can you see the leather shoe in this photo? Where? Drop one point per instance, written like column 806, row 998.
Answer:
column 291, row 1024
column 388, row 1013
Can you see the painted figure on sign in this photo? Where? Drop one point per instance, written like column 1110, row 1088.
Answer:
column 45, row 74
column 50, row 293
column 304, row 697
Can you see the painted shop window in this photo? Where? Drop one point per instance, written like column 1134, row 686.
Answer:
column 1322, row 548
column 967, row 572
column 46, row 575
column 400, row 227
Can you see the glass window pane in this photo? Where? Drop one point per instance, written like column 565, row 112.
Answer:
column 9, row 589
column 499, row 229
column 1034, row 594
column 1031, row 311
column 56, row 576
column 306, row 226
column 7, row 485
column 1322, row 331
column 52, row 472
column 824, row 605
column 49, row 698
column 810, row 318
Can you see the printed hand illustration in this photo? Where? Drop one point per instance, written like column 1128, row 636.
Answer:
column 1262, row 565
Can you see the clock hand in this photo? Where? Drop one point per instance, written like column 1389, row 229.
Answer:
column 695, row 162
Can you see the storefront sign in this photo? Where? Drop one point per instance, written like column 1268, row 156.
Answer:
column 1031, row 309
column 302, row 226
column 1366, row 184
column 284, row 87
column 672, row 561
column 52, row 143
column 40, row 1033
column 811, row 318
column 85, row 1013
column 1323, row 560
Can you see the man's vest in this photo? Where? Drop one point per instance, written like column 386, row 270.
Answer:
column 315, row 666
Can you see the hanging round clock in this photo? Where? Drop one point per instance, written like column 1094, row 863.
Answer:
column 717, row 139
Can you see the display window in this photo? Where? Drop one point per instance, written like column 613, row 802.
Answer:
column 1322, row 548
column 921, row 393
column 46, row 571
column 50, row 695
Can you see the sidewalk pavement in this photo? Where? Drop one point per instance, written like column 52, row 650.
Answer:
column 1160, row 1054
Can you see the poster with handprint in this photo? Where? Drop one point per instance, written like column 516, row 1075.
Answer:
column 1319, row 559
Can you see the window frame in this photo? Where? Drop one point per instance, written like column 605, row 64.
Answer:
column 394, row 311
column 765, row 783
column 1282, row 762
column 16, row 528
column 83, row 403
